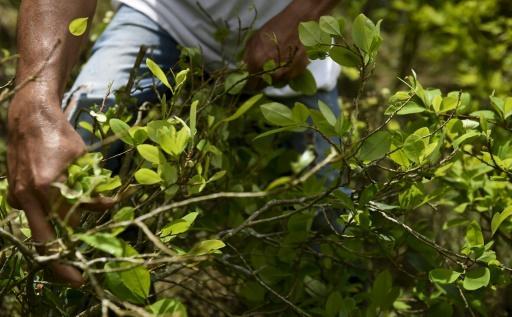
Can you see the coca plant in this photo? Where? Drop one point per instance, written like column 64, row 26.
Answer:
column 404, row 215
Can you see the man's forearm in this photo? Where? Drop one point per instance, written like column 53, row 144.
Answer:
column 47, row 49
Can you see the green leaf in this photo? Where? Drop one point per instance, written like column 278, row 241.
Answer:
column 146, row 176
column 448, row 103
column 443, row 276
column 367, row 194
column 278, row 182
column 150, row 153
column 196, row 184
column 330, row 25
column 474, row 236
column 507, row 108
column 167, row 308
column 158, row 73
column 169, row 173
column 111, row 184
column 138, row 134
column 334, row 304
column 121, row 129
column 305, row 83
column 399, row 157
column 375, row 147
column 77, row 27
column 181, row 141
column 300, row 113
column 327, row 113
column 470, row 124
column 344, row 57
column 126, row 281
column 436, row 103
column 432, row 97
column 277, row 114
column 382, row 292
column 246, row 106
column 181, row 77
column 498, row 219
column 235, row 82
column 412, row 197
column 179, row 225
column 70, row 193
column 217, row 176
column 310, row 33
column 342, row 125
column 413, row 147
column 86, row 126
column 193, row 118
column 156, row 128
column 253, row 292
column 498, row 104
column 314, row 287
column 429, row 150
column 410, row 108
column 173, row 142
column 363, row 32
column 283, row 180
column 294, row 128
column 123, row 214
column 344, row 199
column 321, row 124
column 103, row 241
column 206, row 246
column 476, row 278
column 465, row 138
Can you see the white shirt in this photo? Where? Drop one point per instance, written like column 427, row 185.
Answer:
column 194, row 23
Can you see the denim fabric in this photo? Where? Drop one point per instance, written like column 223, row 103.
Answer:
column 114, row 55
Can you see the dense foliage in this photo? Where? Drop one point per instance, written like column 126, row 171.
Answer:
column 406, row 214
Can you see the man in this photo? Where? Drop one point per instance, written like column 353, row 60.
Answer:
column 42, row 142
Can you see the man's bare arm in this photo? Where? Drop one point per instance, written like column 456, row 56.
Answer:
column 43, row 31
column 260, row 48
column 41, row 143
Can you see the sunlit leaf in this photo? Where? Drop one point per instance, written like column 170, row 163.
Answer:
column 146, row 176
column 78, row 26
column 476, row 278
column 158, row 73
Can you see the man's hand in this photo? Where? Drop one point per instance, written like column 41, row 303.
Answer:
column 278, row 39
column 41, row 146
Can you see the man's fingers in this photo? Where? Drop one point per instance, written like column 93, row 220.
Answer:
column 43, row 233
column 295, row 68
column 254, row 84
column 68, row 213
column 12, row 201
column 38, row 222
column 67, row 274
column 298, row 67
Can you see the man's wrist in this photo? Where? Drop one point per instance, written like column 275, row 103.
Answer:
column 33, row 100
column 35, row 94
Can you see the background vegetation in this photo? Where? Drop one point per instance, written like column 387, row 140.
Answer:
column 222, row 220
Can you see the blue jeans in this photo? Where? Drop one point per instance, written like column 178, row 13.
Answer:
column 113, row 57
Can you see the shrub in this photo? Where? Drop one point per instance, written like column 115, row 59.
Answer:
column 219, row 218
